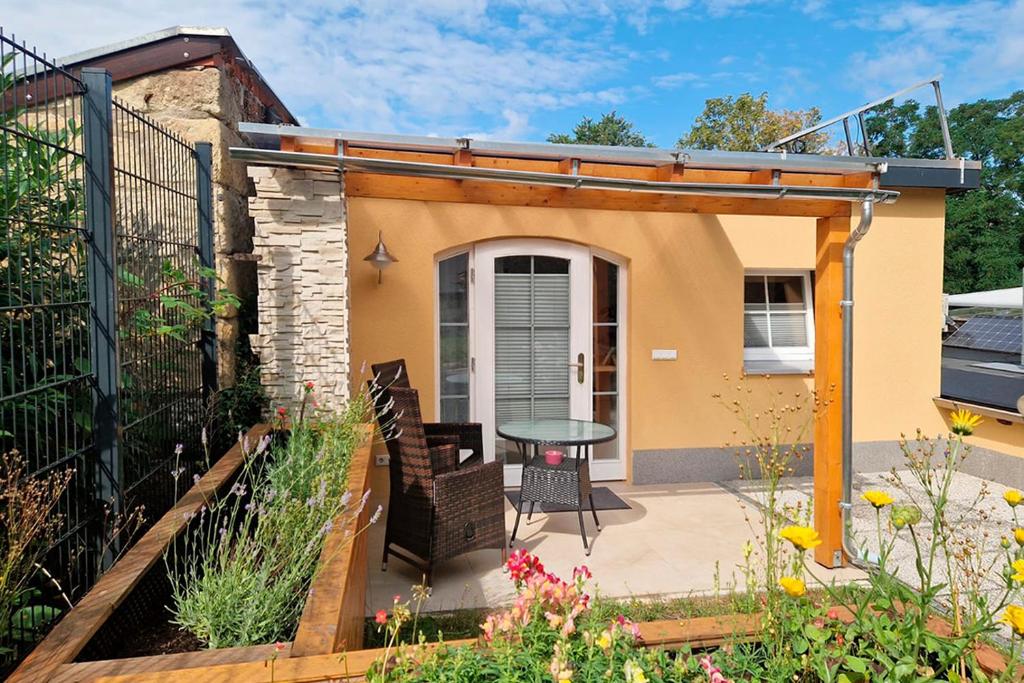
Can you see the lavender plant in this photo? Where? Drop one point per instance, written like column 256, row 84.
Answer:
column 242, row 573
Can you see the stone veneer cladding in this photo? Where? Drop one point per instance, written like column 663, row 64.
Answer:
column 301, row 241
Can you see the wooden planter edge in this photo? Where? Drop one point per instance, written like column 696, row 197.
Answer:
column 698, row 632
column 332, row 619
column 53, row 658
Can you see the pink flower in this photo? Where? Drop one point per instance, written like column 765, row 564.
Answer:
column 281, row 412
column 279, row 647
column 396, row 599
column 381, row 617
column 713, row 672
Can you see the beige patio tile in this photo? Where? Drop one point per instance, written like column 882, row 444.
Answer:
column 673, row 541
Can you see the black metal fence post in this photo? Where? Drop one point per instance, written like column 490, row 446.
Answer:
column 97, row 115
column 204, row 191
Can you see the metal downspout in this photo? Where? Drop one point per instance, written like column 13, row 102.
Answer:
column 867, row 211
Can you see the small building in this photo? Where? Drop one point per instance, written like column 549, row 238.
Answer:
column 983, row 360
column 504, row 278
column 197, row 82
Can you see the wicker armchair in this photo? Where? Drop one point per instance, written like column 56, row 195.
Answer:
column 437, row 509
column 470, row 435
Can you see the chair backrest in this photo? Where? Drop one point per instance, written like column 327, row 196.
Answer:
column 412, row 472
column 385, row 376
column 391, row 373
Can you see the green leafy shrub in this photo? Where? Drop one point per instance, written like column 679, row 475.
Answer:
column 236, row 408
column 244, row 569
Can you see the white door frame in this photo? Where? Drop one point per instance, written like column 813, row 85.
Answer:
column 481, row 338
column 580, row 292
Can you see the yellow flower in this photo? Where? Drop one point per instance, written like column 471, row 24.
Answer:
column 802, row 537
column 604, row 641
column 1014, row 616
column 1013, row 497
column 1018, row 535
column 793, row 586
column 963, row 422
column 879, row 499
column 1018, row 566
column 633, row 673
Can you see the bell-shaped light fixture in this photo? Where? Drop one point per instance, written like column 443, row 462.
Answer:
column 380, row 258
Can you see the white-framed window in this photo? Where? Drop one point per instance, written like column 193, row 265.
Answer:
column 453, row 339
column 778, row 321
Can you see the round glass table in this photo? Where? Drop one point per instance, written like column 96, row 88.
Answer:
column 566, row 483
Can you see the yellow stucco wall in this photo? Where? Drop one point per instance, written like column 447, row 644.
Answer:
column 685, row 275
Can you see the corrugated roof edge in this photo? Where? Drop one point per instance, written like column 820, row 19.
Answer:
column 953, row 174
column 145, row 39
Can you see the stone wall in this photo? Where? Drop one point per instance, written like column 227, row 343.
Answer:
column 204, row 104
column 301, row 242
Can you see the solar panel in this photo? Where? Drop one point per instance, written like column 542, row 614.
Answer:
column 988, row 333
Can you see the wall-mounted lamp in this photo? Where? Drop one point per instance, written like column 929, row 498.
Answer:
column 380, row 258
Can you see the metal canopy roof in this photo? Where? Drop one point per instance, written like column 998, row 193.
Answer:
column 954, row 174
column 428, row 170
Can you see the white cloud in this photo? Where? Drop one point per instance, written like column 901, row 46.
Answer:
column 978, row 46
column 671, row 81
column 442, row 65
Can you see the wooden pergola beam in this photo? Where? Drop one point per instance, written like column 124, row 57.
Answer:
column 381, row 186
column 831, row 235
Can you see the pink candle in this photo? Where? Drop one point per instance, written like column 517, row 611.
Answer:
column 553, row 457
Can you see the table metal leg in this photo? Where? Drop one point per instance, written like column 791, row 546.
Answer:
column 519, row 508
column 583, row 531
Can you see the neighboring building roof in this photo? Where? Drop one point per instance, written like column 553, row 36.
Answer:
column 982, row 362
column 1012, row 297
column 996, row 333
column 949, row 174
column 176, row 47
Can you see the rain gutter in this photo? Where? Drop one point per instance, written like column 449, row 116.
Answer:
column 583, row 182
column 867, row 211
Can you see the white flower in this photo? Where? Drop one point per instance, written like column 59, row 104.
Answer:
column 376, row 514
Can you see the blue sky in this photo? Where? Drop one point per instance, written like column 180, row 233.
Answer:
column 520, row 69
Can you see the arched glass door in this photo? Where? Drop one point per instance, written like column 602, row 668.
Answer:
column 532, row 329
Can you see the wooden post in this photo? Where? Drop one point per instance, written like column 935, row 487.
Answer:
column 828, row 371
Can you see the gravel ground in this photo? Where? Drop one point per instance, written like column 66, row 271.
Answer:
column 979, row 516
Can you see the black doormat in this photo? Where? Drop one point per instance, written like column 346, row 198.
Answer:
column 604, row 499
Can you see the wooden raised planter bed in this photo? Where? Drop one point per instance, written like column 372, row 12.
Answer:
column 352, row 665
column 329, row 637
column 331, row 620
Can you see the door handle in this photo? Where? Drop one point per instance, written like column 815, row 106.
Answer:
column 580, row 366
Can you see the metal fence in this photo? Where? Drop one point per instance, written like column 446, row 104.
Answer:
column 102, row 207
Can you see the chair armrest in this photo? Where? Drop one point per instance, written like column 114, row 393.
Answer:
column 444, row 458
column 470, row 434
column 469, row 507
column 442, row 440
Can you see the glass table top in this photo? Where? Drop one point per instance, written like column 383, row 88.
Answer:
column 563, row 432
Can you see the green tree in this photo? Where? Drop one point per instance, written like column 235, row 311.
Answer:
column 746, row 124
column 984, row 227
column 611, row 129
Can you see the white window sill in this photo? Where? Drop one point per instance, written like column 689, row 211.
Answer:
column 778, row 367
